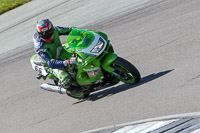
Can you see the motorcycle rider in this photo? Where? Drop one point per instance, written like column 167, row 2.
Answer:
column 48, row 48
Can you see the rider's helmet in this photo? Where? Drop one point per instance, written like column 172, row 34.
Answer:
column 45, row 30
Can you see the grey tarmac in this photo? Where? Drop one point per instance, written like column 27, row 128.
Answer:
column 160, row 37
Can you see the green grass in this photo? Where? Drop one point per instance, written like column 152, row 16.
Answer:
column 6, row 5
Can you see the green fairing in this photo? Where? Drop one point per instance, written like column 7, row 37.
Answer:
column 82, row 76
column 78, row 39
column 108, row 60
column 82, row 39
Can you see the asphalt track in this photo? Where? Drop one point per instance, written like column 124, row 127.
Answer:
column 160, row 38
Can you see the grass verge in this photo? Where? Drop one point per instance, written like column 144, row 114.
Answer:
column 6, row 5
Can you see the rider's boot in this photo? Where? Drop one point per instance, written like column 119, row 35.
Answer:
column 68, row 84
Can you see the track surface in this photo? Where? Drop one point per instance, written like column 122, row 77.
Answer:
column 161, row 39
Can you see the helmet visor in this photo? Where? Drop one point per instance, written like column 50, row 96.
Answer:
column 47, row 34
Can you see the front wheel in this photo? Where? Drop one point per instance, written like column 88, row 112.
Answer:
column 125, row 71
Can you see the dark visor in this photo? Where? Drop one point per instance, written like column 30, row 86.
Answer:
column 46, row 34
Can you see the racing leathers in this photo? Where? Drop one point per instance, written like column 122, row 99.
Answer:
column 53, row 56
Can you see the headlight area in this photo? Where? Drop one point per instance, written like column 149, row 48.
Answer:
column 99, row 46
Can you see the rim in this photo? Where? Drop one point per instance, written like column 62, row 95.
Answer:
column 77, row 95
column 124, row 74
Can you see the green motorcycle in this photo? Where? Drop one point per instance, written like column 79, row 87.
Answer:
column 97, row 65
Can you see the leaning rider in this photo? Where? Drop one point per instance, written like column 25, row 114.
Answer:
column 48, row 48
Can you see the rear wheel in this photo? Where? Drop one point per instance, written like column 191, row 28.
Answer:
column 84, row 93
column 125, row 71
column 78, row 95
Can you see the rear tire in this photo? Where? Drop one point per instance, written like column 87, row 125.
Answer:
column 125, row 71
column 77, row 95
column 81, row 95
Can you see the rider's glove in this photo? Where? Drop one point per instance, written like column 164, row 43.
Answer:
column 70, row 61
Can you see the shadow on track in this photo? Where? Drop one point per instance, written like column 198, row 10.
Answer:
column 114, row 90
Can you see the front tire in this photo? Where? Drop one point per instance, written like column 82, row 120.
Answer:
column 125, row 71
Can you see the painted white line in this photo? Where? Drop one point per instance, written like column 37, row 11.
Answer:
column 142, row 127
column 177, row 116
column 158, row 125
column 125, row 129
column 196, row 131
column 163, row 118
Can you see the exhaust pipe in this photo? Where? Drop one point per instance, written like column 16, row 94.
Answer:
column 53, row 88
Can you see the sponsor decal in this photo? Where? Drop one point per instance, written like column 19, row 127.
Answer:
column 49, row 88
column 38, row 69
column 92, row 69
column 67, row 46
column 94, row 73
column 41, row 50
